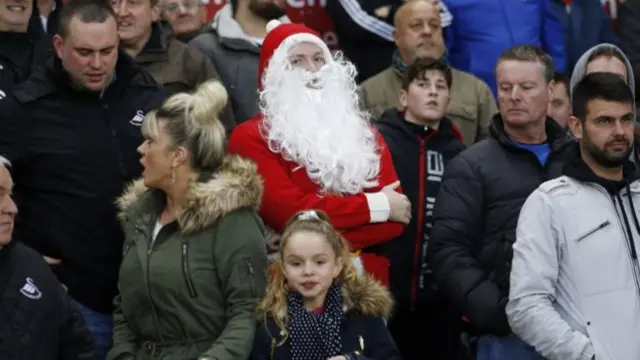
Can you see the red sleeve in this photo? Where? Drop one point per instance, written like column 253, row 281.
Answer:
column 282, row 198
column 373, row 234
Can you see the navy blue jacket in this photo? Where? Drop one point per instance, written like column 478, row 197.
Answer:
column 585, row 26
column 363, row 328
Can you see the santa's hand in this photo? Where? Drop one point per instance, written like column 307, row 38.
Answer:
column 399, row 205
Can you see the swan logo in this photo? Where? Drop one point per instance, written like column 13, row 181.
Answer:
column 30, row 290
column 137, row 119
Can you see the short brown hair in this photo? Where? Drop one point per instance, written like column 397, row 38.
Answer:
column 87, row 11
column 530, row 53
column 420, row 66
column 599, row 85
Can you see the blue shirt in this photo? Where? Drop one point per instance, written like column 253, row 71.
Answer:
column 541, row 151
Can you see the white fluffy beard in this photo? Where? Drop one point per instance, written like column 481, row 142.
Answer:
column 321, row 129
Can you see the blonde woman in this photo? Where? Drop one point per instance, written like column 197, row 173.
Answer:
column 194, row 265
column 317, row 307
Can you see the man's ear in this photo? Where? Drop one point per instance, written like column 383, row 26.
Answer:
column 58, row 42
column 551, row 88
column 575, row 125
column 403, row 99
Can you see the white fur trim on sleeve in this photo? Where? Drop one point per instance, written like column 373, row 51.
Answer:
column 273, row 24
column 379, row 207
column 296, row 39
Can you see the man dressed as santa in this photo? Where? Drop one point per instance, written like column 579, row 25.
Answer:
column 316, row 150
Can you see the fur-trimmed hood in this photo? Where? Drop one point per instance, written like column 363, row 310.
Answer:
column 235, row 185
column 368, row 297
column 365, row 295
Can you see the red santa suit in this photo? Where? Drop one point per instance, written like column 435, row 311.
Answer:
column 362, row 219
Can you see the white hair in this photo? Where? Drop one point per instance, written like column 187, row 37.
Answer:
column 323, row 130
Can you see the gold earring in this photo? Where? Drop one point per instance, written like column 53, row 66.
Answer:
column 173, row 175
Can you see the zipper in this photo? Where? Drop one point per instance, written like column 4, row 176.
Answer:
column 156, row 322
column 628, row 235
column 544, row 168
column 591, row 232
column 185, row 271
column 251, row 277
column 635, row 267
column 125, row 250
column 420, row 212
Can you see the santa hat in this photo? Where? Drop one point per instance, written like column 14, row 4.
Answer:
column 281, row 38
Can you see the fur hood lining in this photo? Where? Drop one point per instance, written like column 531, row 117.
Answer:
column 234, row 186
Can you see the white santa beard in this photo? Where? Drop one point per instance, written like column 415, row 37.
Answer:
column 321, row 129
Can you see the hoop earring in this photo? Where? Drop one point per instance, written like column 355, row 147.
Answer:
column 173, row 176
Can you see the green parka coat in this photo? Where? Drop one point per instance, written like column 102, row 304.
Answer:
column 193, row 291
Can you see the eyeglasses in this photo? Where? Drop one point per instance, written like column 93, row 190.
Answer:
column 186, row 4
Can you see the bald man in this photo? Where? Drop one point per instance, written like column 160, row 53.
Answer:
column 418, row 33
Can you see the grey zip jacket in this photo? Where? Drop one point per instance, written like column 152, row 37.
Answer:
column 574, row 286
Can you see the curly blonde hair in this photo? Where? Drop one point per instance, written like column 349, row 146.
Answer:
column 274, row 304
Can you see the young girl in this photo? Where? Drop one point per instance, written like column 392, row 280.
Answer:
column 317, row 307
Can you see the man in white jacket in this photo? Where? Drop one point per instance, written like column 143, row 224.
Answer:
column 575, row 278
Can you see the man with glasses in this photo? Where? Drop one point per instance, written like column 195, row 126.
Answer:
column 186, row 17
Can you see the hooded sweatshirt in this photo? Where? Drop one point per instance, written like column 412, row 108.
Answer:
column 580, row 70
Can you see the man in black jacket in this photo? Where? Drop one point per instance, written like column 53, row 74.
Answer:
column 422, row 142
column 22, row 49
column 71, row 132
column 481, row 195
column 37, row 318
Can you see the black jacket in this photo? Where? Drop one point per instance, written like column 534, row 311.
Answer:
column 420, row 157
column 369, row 52
column 20, row 55
column 72, row 153
column 476, row 216
column 37, row 317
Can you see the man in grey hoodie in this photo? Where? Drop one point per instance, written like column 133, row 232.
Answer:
column 607, row 58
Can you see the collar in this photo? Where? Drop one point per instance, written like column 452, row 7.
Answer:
column 576, row 168
column 396, row 118
column 157, row 47
column 557, row 136
column 401, row 65
column 8, row 38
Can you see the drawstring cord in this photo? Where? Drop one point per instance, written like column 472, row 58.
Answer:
column 635, row 266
